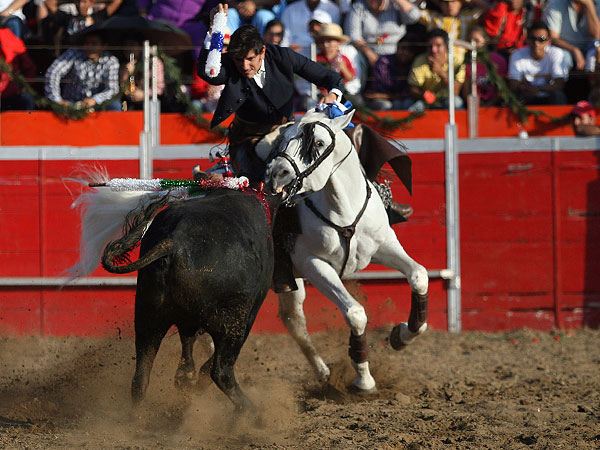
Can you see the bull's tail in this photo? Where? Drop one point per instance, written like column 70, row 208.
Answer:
column 103, row 214
column 116, row 254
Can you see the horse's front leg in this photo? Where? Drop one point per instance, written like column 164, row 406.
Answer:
column 324, row 277
column 291, row 313
column 391, row 254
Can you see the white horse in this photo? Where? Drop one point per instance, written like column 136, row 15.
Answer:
column 344, row 228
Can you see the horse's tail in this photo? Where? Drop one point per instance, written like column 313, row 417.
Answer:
column 116, row 253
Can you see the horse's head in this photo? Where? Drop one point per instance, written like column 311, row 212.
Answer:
column 311, row 149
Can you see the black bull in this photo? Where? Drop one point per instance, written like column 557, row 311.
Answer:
column 205, row 265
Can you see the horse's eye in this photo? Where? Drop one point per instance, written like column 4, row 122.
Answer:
column 319, row 144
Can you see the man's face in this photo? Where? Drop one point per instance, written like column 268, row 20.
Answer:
column 452, row 8
column 584, row 119
column 404, row 54
column 539, row 40
column 93, row 47
column 375, row 5
column 479, row 39
column 437, row 47
column 248, row 65
column 516, row 5
column 274, row 35
column 331, row 47
column 84, row 5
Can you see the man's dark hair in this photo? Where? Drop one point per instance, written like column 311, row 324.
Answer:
column 539, row 25
column 438, row 32
column 245, row 39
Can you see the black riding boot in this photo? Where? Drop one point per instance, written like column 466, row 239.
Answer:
column 397, row 212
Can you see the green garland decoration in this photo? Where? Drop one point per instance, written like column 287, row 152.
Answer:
column 383, row 122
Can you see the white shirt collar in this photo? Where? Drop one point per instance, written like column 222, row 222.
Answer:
column 260, row 75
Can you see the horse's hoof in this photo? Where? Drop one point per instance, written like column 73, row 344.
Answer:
column 401, row 336
column 322, row 371
column 356, row 390
column 365, row 382
column 395, row 340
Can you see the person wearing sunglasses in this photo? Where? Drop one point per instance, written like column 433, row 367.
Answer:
column 273, row 33
column 537, row 73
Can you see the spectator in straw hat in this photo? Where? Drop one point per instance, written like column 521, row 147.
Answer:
column 328, row 40
column 583, row 119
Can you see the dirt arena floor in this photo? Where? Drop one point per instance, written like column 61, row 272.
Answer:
column 514, row 390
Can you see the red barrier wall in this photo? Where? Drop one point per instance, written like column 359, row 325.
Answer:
column 117, row 128
column 530, row 235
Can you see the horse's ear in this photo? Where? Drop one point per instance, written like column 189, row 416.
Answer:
column 342, row 122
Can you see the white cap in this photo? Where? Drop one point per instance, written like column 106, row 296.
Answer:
column 321, row 16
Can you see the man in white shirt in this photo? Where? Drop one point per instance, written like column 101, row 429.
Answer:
column 298, row 15
column 538, row 73
column 574, row 25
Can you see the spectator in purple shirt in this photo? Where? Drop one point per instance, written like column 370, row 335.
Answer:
column 387, row 87
column 183, row 13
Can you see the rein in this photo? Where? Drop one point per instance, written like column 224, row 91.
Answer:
column 346, row 232
column 297, row 183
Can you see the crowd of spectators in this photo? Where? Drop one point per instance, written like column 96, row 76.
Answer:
column 392, row 54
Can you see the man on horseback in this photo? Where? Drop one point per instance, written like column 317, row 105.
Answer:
column 259, row 90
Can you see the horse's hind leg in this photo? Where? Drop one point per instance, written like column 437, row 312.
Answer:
column 392, row 255
column 291, row 313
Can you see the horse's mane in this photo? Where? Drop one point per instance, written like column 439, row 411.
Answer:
column 308, row 152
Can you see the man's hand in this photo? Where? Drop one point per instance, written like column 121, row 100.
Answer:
column 88, row 102
column 247, row 9
column 436, row 65
column 585, row 3
column 578, row 58
column 64, row 103
column 529, row 90
column 135, row 96
column 331, row 97
column 219, row 8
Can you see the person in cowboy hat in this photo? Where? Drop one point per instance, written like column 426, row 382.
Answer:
column 583, row 119
column 329, row 39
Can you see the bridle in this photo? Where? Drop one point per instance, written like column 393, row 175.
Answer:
column 295, row 185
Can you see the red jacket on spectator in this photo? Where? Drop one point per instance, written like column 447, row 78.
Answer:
column 13, row 50
column 505, row 26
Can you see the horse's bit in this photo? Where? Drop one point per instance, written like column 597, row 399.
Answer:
column 346, row 232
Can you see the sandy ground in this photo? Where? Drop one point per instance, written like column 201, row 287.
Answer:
column 514, row 390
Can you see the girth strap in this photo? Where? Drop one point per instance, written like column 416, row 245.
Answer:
column 348, row 231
